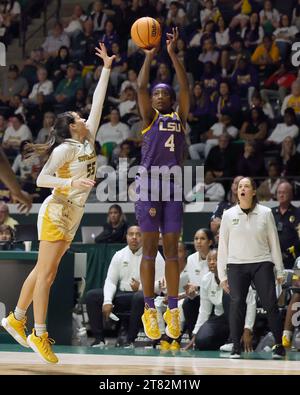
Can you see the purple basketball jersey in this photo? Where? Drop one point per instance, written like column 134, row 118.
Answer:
column 163, row 142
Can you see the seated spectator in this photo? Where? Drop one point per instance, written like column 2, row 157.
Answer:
column 266, row 56
column 116, row 227
column 209, row 53
column 16, row 106
column 31, row 63
column 55, row 40
column 290, row 158
column 83, row 40
column 131, row 81
column 98, row 17
column 43, row 87
column 128, row 106
column 296, row 15
column 74, row 24
column 101, row 160
column 212, row 327
column 251, row 163
column 222, row 37
column 176, row 15
column 27, row 169
column 6, row 234
column 5, row 218
column 258, row 102
column 58, row 65
column 227, row 102
column 210, row 138
column 3, row 126
column 163, row 75
column 245, row 79
column 65, row 92
column 269, row 17
column 15, row 134
column 119, row 67
column 11, row 13
column 256, row 127
column 112, row 133
column 243, row 9
column 230, row 57
column 293, row 100
column 48, row 123
column 268, row 188
column 284, row 36
column 210, row 79
column 253, row 33
column 196, row 268
column 209, row 12
column 12, row 85
column 122, row 291
column 287, row 129
column 220, row 158
column 213, row 191
column 110, row 36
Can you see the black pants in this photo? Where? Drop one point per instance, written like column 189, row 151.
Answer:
column 239, row 280
column 191, row 311
column 131, row 302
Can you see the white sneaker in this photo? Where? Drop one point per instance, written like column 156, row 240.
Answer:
column 99, row 345
column 226, row 347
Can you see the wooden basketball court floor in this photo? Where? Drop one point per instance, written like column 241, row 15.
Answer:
column 15, row 360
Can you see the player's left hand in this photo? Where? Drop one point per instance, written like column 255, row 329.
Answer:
column 101, row 52
column 172, row 40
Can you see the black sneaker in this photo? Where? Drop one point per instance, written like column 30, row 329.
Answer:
column 278, row 351
column 235, row 353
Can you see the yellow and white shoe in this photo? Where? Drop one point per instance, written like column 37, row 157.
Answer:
column 172, row 320
column 175, row 346
column 16, row 329
column 151, row 328
column 164, row 345
column 286, row 342
column 42, row 346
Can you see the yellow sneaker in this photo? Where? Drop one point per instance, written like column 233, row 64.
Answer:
column 175, row 346
column 172, row 320
column 286, row 342
column 16, row 329
column 151, row 328
column 42, row 346
column 164, row 345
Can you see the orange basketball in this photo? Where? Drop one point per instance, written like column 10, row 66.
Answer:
column 146, row 33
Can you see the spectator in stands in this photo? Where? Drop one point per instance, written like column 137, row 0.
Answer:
column 222, row 36
column 55, row 40
column 122, row 292
column 196, row 268
column 58, row 65
column 112, row 133
column 251, row 163
column 116, row 227
column 282, row 130
column 227, row 102
column 83, row 40
column 11, row 13
column 16, row 106
column 119, row 67
column 231, row 56
column 210, row 79
column 101, row 159
column 290, row 158
column 31, row 63
column 287, row 219
column 296, row 15
column 65, row 92
column 6, row 233
column 176, row 15
column 220, row 158
column 243, row 8
column 128, row 106
column 268, row 188
column 5, row 218
column 163, row 75
column 253, row 33
column 256, row 127
column 48, row 123
column 284, row 36
column 293, row 100
column 130, row 81
column 27, row 169
column 212, row 327
column 245, row 79
column 258, row 102
column 3, row 126
column 269, row 17
column 266, row 56
column 210, row 138
column 74, row 24
column 209, row 53
column 98, row 17
column 43, row 87
column 213, row 191
column 13, row 84
column 110, row 35
column 15, row 134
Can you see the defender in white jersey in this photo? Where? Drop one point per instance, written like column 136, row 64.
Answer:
column 70, row 171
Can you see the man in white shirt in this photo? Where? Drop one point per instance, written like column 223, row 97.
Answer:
column 287, row 129
column 122, row 290
column 15, row 134
column 42, row 87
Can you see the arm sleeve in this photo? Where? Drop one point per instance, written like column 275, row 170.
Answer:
column 251, row 309
column 274, row 244
column 204, row 310
column 223, row 249
column 62, row 154
column 97, row 104
column 112, row 278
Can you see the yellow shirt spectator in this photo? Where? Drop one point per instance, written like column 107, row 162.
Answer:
column 264, row 55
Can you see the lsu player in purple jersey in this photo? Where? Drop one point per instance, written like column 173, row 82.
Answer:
column 163, row 146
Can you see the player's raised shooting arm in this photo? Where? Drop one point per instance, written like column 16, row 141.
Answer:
column 145, row 106
column 184, row 95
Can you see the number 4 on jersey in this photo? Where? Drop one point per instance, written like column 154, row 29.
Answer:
column 170, row 143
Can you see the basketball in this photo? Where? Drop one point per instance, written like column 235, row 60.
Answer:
column 146, row 32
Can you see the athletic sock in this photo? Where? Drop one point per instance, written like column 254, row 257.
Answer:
column 287, row 334
column 40, row 329
column 149, row 302
column 172, row 302
column 19, row 314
